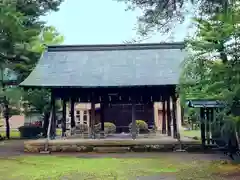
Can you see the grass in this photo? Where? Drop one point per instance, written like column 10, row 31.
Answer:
column 15, row 134
column 191, row 133
column 71, row 168
column 56, row 168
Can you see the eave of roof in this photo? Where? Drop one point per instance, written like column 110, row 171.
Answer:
column 109, row 47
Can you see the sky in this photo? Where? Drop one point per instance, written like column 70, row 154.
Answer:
column 102, row 22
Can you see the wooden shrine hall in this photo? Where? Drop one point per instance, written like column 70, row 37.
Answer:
column 111, row 74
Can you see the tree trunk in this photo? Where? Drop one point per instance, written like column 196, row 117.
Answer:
column 7, row 118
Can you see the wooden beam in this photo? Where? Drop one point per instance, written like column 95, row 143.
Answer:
column 169, row 119
column 64, row 113
column 142, row 94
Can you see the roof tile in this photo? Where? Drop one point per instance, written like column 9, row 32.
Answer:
column 108, row 65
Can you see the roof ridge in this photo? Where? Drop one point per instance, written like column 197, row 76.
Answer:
column 105, row 47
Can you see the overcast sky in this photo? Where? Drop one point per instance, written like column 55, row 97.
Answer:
column 101, row 22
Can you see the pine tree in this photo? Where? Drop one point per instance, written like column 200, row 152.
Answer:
column 20, row 41
column 213, row 69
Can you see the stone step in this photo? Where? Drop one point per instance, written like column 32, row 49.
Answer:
column 111, row 149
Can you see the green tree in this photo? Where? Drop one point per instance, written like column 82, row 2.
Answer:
column 162, row 15
column 212, row 70
column 39, row 100
column 20, row 42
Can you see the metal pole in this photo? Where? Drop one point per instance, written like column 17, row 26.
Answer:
column 46, row 151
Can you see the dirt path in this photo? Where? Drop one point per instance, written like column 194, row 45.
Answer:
column 11, row 148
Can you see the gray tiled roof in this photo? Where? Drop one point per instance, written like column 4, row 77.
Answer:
column 108, row 65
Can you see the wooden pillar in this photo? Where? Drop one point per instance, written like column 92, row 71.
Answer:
column 134, row 126
column 202, row 117
column 211, row 124
column 63, row 123
column 174, row 106
column 153, row 117
column 73, row 123
column 207, row 112
column 164, row 129
column 102, row 118
column 53, row 121
column 169, row 129
column 92, row 119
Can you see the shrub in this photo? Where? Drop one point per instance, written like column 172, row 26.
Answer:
column 109, row 128
column 31, row 131
column 196, row 138
column 141, row 126
column 82, row 128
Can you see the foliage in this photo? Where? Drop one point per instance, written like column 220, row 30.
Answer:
column 23, row 34
column 109, row 128
column 34, row 36
column 214, row 65
column 141, row 126
column 39, row 100
column 30, row 131
column 23, row 37
column 12, row 33
column 165, row 14
column 14, row 111
column 212, row 71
